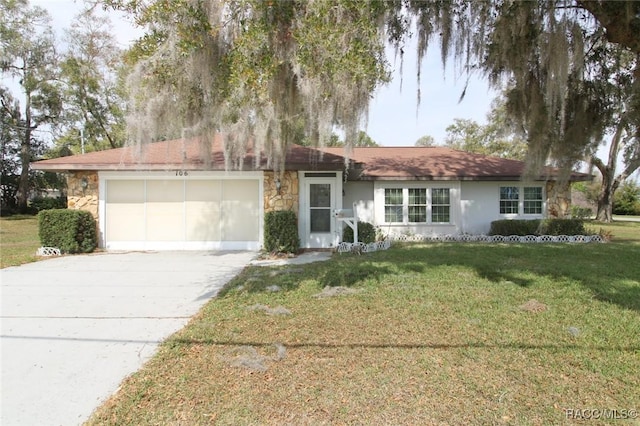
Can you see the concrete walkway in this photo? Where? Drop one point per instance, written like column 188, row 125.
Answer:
column 74, row 327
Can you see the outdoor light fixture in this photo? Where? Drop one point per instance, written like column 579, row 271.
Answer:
column 278, row 185
column 84, row 183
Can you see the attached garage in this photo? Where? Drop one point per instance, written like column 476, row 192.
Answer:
column 180, row 194
column 181, row 210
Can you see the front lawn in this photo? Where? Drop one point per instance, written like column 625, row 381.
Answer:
column 443, row 333
column 18, row 240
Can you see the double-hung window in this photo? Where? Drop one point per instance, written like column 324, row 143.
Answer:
column 440, row 205
column 521, row 200
column 509, row 198
column 393, row 205
column 533, row 200
column 417, row 205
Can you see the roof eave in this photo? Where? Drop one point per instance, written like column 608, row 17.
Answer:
column 468, row 178
column 63, row 167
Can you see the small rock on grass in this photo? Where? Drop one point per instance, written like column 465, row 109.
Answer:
column 278, row 310
column 574, row 331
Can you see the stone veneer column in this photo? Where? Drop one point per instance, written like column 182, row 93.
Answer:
column 79, row 198
column 287, row 199
column 559, row 199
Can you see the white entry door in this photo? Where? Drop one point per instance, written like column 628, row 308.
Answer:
column 320, row 223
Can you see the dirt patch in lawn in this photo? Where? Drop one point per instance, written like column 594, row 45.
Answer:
column 336, row 291
column 249, row 357
column 534, row 306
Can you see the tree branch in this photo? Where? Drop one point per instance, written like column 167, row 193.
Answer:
column 622, row 25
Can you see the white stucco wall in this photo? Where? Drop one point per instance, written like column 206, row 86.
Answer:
column 480, row 205
column 360, row 193
column 474, row 205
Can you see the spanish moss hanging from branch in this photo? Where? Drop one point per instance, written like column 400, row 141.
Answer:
column 269, row 73
column 257, row 72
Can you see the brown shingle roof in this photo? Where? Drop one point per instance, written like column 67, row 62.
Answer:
column 437, row 163
column 371, row 163
column 186, row 155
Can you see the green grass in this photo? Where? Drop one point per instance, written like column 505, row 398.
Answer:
column 622, row 231
column 18, row 240
column 434, row 334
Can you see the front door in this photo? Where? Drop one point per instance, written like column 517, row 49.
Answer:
column 320, row 222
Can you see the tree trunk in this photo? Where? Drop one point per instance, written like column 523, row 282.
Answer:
column 608, row 171
column 25, row 160
column 23, row 183
column 605, row 198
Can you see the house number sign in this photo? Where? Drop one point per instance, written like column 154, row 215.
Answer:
column 182, row 173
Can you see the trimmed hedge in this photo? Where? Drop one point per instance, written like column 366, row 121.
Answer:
column 72, row 231
column 366, row 233
column 281, row 232
column 538, row 227
column 515, row 227
column 563, row 227
column 45, row 203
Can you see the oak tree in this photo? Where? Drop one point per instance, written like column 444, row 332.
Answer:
column 254, row 69
column 28, row 55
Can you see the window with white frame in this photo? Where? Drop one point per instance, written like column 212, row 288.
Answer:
column 440, row 205
column 509, row 197
column 417, row 205
column 532, row 200
column 525, row 200
column 393, row 205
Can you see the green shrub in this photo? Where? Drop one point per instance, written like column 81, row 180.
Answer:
column 515, row 227
column 563, row 227
column 72, row 231
column 626, row 200
column 581, row 212
column 538, row 227
column 366, row 233
column 281, row 232
column 47, row 203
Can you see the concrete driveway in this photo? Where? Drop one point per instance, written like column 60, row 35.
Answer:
column 74, row 327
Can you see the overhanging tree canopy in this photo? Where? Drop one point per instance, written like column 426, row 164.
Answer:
column 255, row 69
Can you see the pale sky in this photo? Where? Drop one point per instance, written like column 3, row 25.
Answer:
column 393, row 117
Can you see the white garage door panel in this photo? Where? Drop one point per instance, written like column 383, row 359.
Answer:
column 202, row 210
column 192, row 213
column 125, row 210
column 240, row 220
column 165, row 210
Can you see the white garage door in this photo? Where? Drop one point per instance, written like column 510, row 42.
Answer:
column 182, row 214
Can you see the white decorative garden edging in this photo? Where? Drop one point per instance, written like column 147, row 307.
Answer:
column 345, row 247
column 48, row 251
column 464, row 238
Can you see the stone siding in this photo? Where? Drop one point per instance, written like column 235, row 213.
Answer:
column 79, row 198
column 287, row 198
